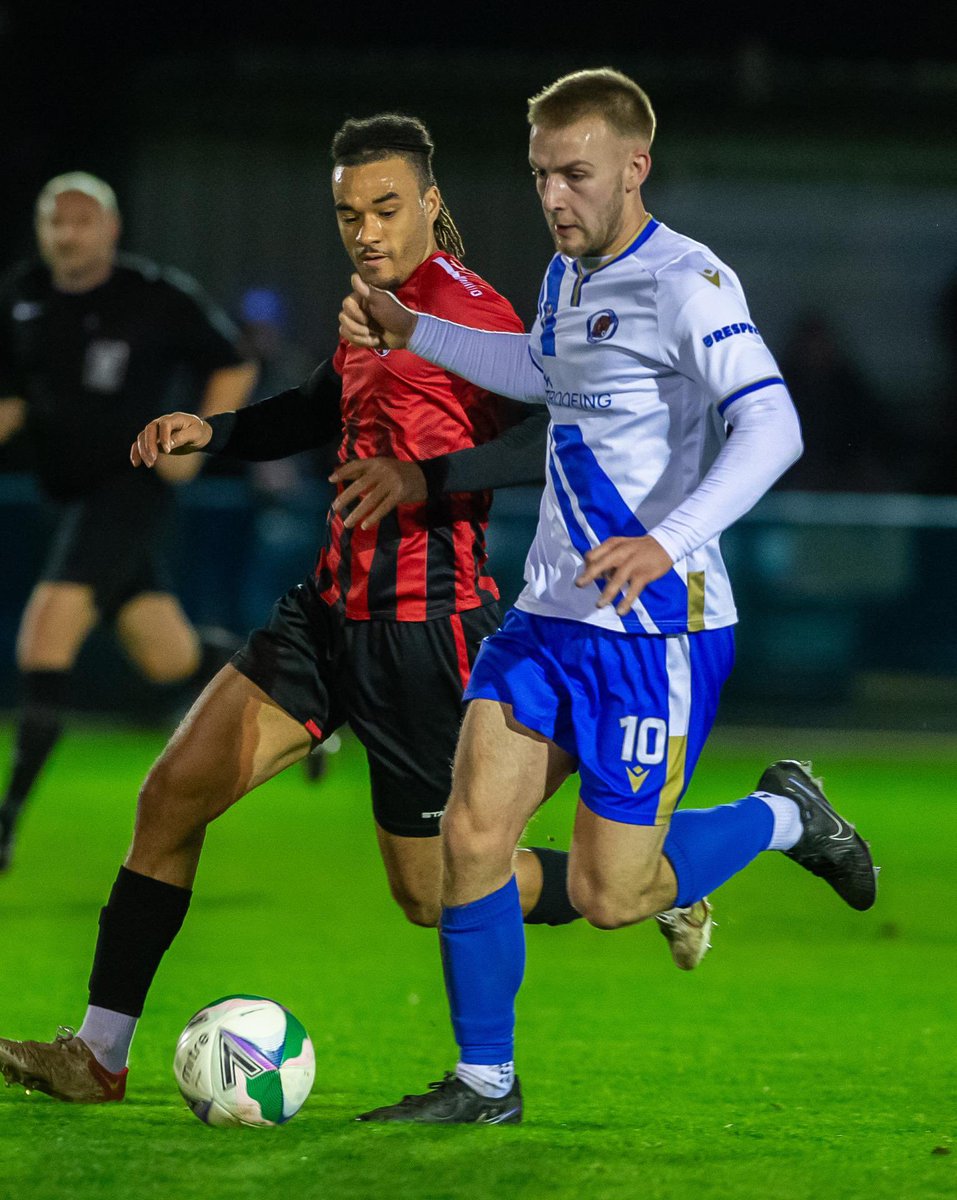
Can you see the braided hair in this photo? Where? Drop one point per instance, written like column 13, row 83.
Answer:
column 392, row 134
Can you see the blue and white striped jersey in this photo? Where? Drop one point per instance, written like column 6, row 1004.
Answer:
column 643, row 358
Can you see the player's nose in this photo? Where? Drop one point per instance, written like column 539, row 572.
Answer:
column 369, row 232
column 552, row 194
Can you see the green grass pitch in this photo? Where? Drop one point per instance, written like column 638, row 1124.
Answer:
column 811, row 1055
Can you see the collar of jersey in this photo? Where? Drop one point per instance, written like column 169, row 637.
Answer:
column 647, row 228
column 422, row 265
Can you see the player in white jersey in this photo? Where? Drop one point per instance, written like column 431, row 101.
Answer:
column 614, row 656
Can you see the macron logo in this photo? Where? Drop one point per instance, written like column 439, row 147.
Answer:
column 459, row 277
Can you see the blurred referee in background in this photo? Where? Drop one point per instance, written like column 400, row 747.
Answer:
column 92, row 344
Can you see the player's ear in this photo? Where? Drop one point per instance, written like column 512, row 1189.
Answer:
column 432, row 203
column 638, row 169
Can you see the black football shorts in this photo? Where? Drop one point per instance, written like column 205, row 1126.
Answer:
column 398, row 684
column 114, row 541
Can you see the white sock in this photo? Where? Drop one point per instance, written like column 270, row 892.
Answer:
column 492, row 1081
column 108, row 1034
column 787, row 820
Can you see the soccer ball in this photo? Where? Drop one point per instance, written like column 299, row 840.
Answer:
column 244, row 1060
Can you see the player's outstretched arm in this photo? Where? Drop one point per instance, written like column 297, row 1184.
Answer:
column 176, row 433
column 501, row 363
column 226, row 390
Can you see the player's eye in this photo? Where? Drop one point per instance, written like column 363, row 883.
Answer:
column 390, row 213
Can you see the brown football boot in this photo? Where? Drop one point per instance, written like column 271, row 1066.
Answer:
column 688, row 931
column 65, row 1069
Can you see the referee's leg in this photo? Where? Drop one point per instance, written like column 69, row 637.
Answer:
column 56, row 622
column 158, row 637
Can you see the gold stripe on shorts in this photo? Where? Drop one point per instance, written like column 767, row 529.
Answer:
column 675, row 779
column 695, row 601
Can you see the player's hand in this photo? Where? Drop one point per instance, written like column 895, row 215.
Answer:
column 379, row 484
column 374, row 318
column 628, row 564
column 176, row 433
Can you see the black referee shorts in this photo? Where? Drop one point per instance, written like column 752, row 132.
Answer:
column 399, row 685
column 113, row 540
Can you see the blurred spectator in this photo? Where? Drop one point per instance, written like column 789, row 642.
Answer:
column 283, row 364
column 847, row 447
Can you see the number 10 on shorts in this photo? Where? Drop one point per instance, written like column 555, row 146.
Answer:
column 643, row 741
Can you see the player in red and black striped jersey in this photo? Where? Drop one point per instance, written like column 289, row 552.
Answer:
column 422, row 561
column 382, row 636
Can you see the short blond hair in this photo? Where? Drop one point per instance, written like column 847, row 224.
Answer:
column 601, row 91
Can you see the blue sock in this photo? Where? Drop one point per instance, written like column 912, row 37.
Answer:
column 706, row 846
column 483, row 955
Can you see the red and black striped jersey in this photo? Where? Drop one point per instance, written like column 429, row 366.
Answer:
column 423, row 560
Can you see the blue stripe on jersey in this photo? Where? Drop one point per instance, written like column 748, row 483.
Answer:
column 582, row 545
column 553, row 285
column 666, row 600
column 752, row 387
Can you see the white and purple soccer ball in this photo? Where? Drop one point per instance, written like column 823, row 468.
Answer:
column 244, row 1060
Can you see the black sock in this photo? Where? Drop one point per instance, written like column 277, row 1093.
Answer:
column 553, row 906
column 137, row 927
column 39, row 726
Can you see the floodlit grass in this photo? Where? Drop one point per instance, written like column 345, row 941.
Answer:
column 811, row 1055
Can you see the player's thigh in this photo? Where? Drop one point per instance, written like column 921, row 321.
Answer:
column 616, row 870
column 158, row 636
column 414, row 869
column 234, row 738
column 56, row 622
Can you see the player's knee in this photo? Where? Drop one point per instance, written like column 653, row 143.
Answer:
column 609, row 914
column 470, row 840
column 607, row 909
column 172, row 803
column 163, row 668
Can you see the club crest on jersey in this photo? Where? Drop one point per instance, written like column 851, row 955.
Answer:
column 602, row 325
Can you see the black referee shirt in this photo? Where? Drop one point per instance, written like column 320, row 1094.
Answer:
column 94, row 367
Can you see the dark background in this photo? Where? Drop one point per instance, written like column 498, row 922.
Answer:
column 815, row 151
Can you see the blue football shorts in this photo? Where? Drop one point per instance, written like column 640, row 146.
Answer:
column 634, row 710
